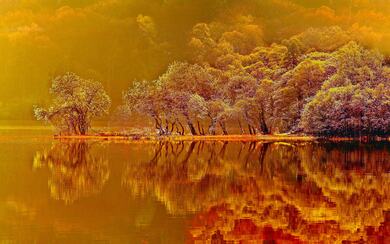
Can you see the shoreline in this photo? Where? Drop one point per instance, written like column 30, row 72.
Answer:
column 191, row 138
column 268, row 138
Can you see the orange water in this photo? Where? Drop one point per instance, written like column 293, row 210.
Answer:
column 116, row 192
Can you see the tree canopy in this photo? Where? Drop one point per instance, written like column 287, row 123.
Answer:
column 76, row 101
column 306, row 83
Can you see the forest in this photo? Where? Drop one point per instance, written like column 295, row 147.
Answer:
column 322, row 82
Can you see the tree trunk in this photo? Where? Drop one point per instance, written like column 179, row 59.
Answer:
column 72, row 127
column 248, row 121
column 212, row 126
column 263, row 125
column 250, row 129
column 182, row 128
column 166, row 125
column 83, row 126
column 83, row 130
column 83, row 123
column 191, row 126
column 223, row 126
column 158, row 126
column 200, row 129
column 254, row 130
column 241, row 129
column 173, row 127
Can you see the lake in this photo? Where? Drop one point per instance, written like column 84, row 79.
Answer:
column 67, row 191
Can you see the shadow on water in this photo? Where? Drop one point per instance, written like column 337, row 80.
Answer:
column 75, row 170
column 271, row 191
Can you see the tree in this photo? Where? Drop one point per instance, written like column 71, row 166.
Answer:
column 144, row 98
column 267, row 62
column 295, row 88
column 76, row 101
column 183, row 80
column 265, row 103
column 216, row 42
column 245, row 108
column 318, row 39
column 217, row 111
column 198, row 106
column 355, row 100
column 349, row 111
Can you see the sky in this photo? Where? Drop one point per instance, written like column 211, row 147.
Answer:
column 119, row 41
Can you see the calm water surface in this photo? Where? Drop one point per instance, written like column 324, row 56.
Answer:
column 193, row 192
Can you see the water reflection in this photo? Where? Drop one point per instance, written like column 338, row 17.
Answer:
column 76, row 170
column 271, row 191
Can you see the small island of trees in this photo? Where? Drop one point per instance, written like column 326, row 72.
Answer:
column 300, row 85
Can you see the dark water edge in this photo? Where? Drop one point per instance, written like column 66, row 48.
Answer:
column 87, row 191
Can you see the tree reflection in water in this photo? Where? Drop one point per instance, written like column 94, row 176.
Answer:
column 303, row 192
column 76, row 171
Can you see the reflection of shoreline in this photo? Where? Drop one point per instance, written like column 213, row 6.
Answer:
column 305, row 191
column 75, row 170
